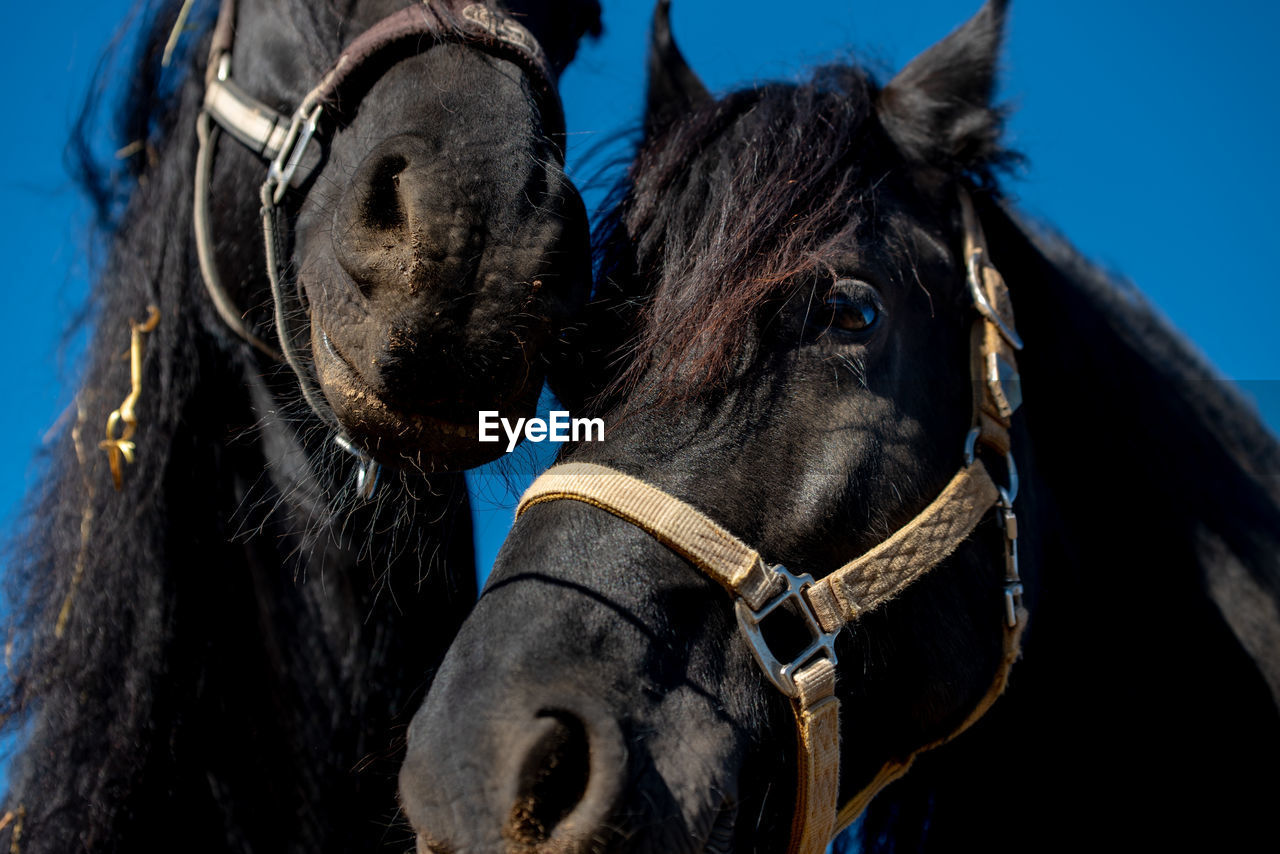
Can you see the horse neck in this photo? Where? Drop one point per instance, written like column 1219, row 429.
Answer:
column 1147, row 470
column 312, row 622
column 310, row 626
column 1148, row 514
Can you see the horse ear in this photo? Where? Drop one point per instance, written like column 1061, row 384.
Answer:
column 672, row 88
column 938, row 109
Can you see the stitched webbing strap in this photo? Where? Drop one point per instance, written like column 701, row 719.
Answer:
column 871, row 580
column 722, row 556
column 894, row 769
column 882, row 573
column 817, row 711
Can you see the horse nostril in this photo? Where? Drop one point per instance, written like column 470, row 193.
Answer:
column 553, row 778
column 405, row 227
column 382, row 206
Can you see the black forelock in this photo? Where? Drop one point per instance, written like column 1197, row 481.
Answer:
column 727, row 206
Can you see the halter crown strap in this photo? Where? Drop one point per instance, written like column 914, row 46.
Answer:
column 268, row 132
column 994, row 343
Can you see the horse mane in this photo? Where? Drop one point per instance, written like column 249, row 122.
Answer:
column 117, row 598
column 140, row 117
column 1151, row 500
column 1113, row 392
column 84, row 549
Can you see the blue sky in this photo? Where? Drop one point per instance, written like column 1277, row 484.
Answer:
column 1150, row 128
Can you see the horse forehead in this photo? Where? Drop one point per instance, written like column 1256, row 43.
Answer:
column 927, row 244
column 892, row 242
column 306, row 34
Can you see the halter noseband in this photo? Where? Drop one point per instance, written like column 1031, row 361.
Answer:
column 285, row 143
column 839, row 599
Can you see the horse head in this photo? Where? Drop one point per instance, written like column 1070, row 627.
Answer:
column 797, row 560
column 426, row 243
column 799, row 371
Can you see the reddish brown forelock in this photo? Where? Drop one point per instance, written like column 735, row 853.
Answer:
column 693, row 329
column 731, row 210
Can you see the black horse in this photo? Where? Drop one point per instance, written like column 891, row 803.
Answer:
column 221, row 649
column 784, row 329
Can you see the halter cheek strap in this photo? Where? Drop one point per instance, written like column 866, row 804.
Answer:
column 862, row 585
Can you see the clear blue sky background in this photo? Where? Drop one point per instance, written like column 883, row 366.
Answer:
column 1151, row 128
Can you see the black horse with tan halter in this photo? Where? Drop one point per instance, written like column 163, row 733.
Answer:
column 823, row 406
column 216, row 641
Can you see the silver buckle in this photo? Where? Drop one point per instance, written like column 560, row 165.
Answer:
column 301, row 129
column 977, row 261
column 780, row 674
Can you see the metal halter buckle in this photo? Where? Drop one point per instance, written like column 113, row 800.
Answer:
column 978, row 262
column 1004, row 385
column 780, row 674
column 301, row 129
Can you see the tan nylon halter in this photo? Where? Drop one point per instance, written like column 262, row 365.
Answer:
column 863, row 584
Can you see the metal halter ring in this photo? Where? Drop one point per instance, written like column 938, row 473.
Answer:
column 782, row 675
column 970, row 450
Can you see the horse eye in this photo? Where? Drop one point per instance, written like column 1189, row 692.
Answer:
column 853, row 311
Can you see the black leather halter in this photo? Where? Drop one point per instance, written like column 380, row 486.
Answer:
column 293, row 147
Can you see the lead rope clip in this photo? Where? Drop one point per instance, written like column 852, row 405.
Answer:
column 367, row 469
column 121, row 446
